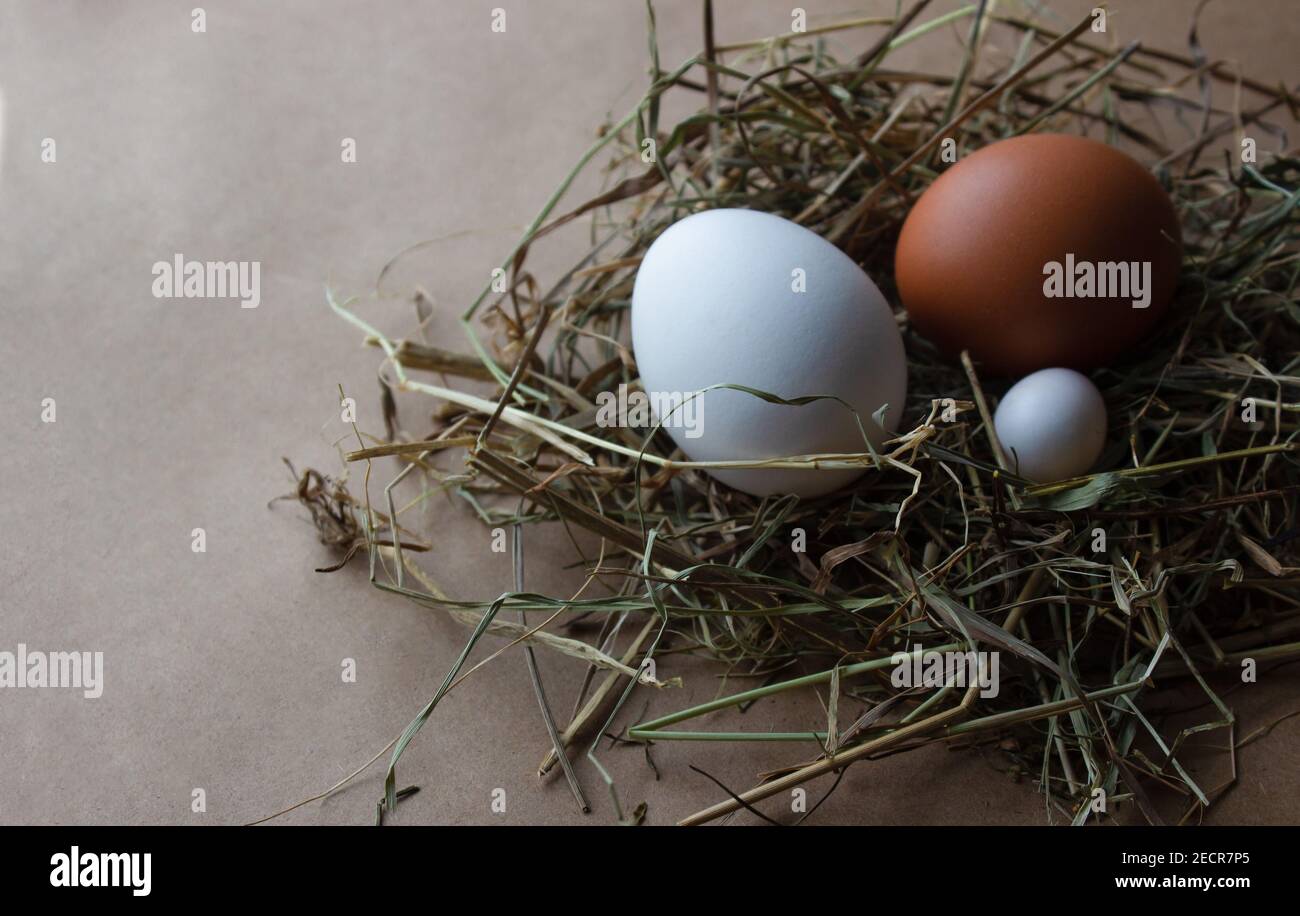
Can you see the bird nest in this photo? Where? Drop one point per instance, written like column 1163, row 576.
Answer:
column 1171, row 569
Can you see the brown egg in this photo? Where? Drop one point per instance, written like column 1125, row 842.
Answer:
column 1023, row 217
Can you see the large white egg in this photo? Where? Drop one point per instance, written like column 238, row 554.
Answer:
column 748, row 298
column 1052, row 425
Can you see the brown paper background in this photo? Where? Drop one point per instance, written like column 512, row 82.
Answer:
column 222, row 669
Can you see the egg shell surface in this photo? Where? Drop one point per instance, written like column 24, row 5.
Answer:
column 971, row 257
column 716, row 301
column 1052, row 425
